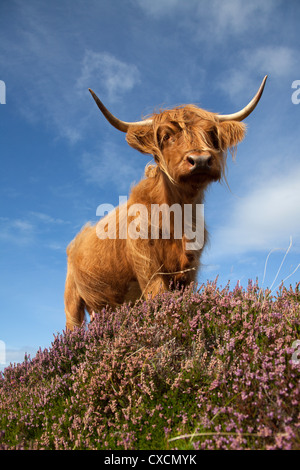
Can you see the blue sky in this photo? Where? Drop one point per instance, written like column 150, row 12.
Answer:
column 60, row 159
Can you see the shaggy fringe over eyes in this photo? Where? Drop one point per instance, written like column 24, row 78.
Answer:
column 196, row 125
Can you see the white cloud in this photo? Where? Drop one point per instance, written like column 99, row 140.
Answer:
column 213, row 19
column 47, row 219
column 23, row 231
column 158, row 7
column 112, row 75
column 63, row 104
column 237, row 16
column 19, row 231
column 276, row 61
column 16, row 356
column 264, row 219
column 22, row 225
column 42, row 63
column 111, row 165
column 55, row 75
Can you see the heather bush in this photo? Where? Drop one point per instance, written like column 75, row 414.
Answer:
column 203, row 368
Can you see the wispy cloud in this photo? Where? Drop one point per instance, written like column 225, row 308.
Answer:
column 213, row 19
column 276, row 61
column 61, row 99
column 112, row 164
column 265, row 218
column 16, row 230
column 158, row 7
column 15, row 356
column 47, row 219
column 111, row 74
column 236, row 16
column 36, row 54
column 23, row 231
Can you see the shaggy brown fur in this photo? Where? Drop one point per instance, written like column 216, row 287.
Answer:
column 110, row 271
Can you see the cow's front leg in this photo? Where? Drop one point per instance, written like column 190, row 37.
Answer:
column 155, row 285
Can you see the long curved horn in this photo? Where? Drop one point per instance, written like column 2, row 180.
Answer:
column 243, row 113
column 124, row 126
column 117, row 123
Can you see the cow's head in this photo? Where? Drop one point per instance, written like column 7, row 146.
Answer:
column 188, row 143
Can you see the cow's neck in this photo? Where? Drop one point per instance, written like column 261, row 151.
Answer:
column 171, row 193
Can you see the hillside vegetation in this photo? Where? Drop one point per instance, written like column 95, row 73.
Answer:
column 204, row 368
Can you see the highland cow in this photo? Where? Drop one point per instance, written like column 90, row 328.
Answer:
column 189, row 146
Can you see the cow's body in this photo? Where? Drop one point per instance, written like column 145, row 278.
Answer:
column 111, row 271
column 189, row 146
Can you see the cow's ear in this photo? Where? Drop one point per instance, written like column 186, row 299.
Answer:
column 142, row 139
column 231, row 133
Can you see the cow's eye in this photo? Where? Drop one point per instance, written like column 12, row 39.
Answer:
column 213, row 134
column 166, row 135
column 165, row 138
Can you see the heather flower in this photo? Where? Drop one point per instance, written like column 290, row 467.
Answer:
column 208, row 366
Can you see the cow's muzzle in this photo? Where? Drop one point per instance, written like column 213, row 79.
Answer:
column 200, row 163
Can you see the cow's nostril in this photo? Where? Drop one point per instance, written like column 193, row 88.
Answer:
column 191, row 160
column 200, row 162
column 209, row 162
